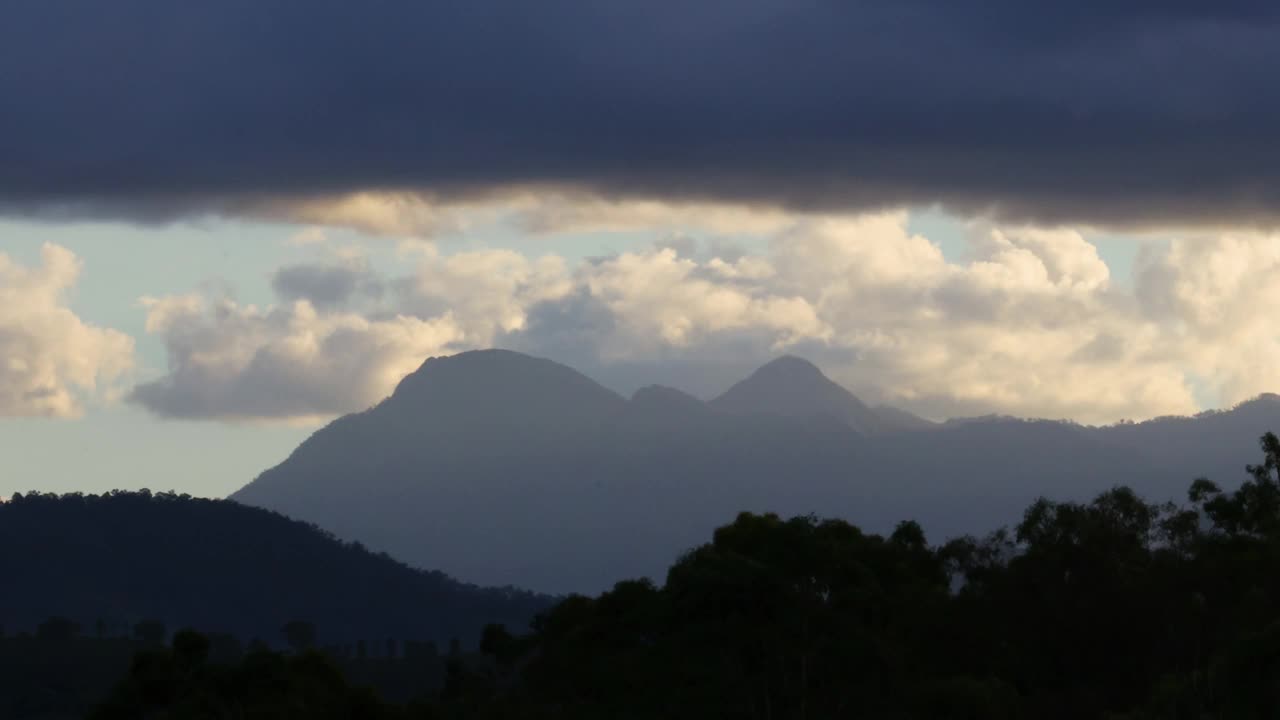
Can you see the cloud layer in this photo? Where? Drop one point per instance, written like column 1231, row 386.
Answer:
column 1080, row 111
column 51, row 360
column 1030, row 323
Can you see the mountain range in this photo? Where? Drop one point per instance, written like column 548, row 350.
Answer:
column 504, row 469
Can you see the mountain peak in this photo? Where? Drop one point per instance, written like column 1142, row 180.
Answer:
column 663, row 399
column 501, row 384
column 791, row 386
column 663, row 395
column 488, row 360
column 794, row 387
column 666, row 409
column 791, row 367
column 789, row 373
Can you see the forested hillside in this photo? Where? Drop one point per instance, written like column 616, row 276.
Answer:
column 107, row 562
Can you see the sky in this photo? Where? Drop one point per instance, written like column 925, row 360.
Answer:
column 222, row 226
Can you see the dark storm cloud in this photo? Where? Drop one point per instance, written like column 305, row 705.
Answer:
column 1131, row 112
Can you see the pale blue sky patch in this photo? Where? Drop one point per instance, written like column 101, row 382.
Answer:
column 1119, row 253
column 121, row 263
column 124, row 447
column 943, row 230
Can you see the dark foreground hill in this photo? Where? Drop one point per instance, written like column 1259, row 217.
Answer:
column 1101, row 610
column 501, row 468
column 108, row 562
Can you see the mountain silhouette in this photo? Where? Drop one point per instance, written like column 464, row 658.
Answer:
column 116, row 559
column 664, row 410
column 499, row 387
column 661, row 400
column 500, row 468
column 793, row 387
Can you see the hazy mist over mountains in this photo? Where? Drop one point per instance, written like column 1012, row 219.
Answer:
column 505, row 469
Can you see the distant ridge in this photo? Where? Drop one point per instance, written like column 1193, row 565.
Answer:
column 661, row 396
column 899, row 419
column 500, row 468
column 660, row 402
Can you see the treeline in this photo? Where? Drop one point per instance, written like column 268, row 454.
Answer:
column 1115, row 608
column 185, row 681
column 62, row 671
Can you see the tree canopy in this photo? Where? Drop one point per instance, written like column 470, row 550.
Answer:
column 1114, row 608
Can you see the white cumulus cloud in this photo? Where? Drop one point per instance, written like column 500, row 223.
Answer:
column 1214, row 300
column 229, row 361
column 51, row 361
column 1030, row 322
